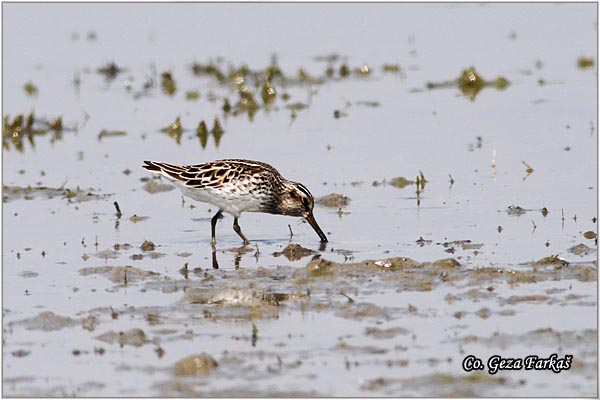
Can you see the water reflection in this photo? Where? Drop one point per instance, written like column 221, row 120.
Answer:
column 175, row 130
column 259, row 89
column 293, row 252
column 14, row 132
column 251, row 86
column 238, row 253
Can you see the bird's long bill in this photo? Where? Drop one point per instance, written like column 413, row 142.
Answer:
column 311, row 220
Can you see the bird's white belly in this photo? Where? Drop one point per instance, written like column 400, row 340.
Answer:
column 234, row 204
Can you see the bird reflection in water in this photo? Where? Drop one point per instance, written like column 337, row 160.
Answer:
column 240, row 251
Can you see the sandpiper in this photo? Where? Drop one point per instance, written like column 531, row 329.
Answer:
column 235, row 186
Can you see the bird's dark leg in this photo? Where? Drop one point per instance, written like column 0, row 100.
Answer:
column 238, row 230
column 213, row 226
column 215, row 263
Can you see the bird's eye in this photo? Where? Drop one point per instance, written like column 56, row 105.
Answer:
column 306, row 203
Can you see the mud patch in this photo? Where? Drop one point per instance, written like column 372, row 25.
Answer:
column 46, row 321
column 11, row 193
column 119, row 275
column 195, row 365
column 154, row 187
column 333, row 200
column 133, row 337
column 295, row 252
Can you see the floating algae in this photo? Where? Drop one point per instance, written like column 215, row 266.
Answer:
column 209, row 69
column 110, row 71
column 363, row 71
column 585, row 62
column 30, row 89
column 168, row 84
column 268, row 93
column 391, row 68
column 470, row 83
column 175, row 130
column 192, row 95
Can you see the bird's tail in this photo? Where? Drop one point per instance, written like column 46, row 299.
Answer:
column 168, row 170
column 152, row 166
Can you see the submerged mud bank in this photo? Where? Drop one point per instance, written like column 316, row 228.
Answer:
column 381, row 334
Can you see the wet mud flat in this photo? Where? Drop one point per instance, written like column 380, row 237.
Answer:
column 381, row 327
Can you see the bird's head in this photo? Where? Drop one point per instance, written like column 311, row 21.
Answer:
column 297, row 201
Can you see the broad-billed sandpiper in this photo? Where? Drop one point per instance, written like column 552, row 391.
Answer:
column 235, row 186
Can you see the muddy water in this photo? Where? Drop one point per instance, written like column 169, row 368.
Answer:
column 493, row 254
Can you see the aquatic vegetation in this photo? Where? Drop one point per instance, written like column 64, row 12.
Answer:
column 363, row 71
column 30, row 89
column 344, row 71
column 175, row 130
column 298, row 106
column 226, row 106
column 30, row 127
column 246, row 103
column 110, row 71
column 56, row 124
column 470, row 83
column 209, row 69
column 273, row 72
column 585, row 62
column 268, row 93
column 192, row 95
column 168, row 84
column 394, row 68
column 106, row 133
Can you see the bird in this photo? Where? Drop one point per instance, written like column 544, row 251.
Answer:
column 236, row 186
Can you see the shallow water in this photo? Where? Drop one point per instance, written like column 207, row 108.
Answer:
column 354, row 329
